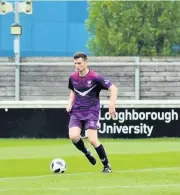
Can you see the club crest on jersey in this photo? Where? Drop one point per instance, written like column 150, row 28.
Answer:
column 106, row 81
column 89, row 82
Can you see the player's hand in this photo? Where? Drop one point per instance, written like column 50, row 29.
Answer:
column 68, row 108
column 112, row 110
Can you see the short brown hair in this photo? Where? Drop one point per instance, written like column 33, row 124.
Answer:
column 80, row 55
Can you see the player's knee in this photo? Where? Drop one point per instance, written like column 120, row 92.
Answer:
column 74, row 134
column 74, row 137
column 94, row 141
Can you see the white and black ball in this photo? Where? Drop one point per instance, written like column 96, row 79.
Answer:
column 58, row 165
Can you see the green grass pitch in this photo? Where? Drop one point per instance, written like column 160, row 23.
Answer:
column 140, row 167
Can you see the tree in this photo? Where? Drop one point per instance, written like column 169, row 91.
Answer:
column 133, row 28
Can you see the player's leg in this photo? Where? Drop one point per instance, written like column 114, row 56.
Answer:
column 74, row 135
column 75, row 126
column 93, row 139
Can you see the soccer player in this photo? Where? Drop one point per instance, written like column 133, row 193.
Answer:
column 84, row 107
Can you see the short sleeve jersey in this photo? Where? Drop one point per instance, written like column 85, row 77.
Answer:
column 87, row 90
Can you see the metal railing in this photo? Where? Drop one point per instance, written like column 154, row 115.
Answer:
column 102, row 63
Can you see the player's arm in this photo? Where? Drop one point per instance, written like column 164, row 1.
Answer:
column 71, row 101
column 71, row 96
column 113, row 96
column 107, row 85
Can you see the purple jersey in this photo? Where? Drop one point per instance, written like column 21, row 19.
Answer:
column 87, row 90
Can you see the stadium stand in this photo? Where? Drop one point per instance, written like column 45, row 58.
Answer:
column 47, row 78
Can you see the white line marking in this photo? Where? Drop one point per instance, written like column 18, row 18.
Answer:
column 94, row 188
column 89, row 173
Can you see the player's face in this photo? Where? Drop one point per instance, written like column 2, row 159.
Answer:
column 80, row 64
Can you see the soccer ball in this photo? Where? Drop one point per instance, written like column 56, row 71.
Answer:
column 58, row 166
